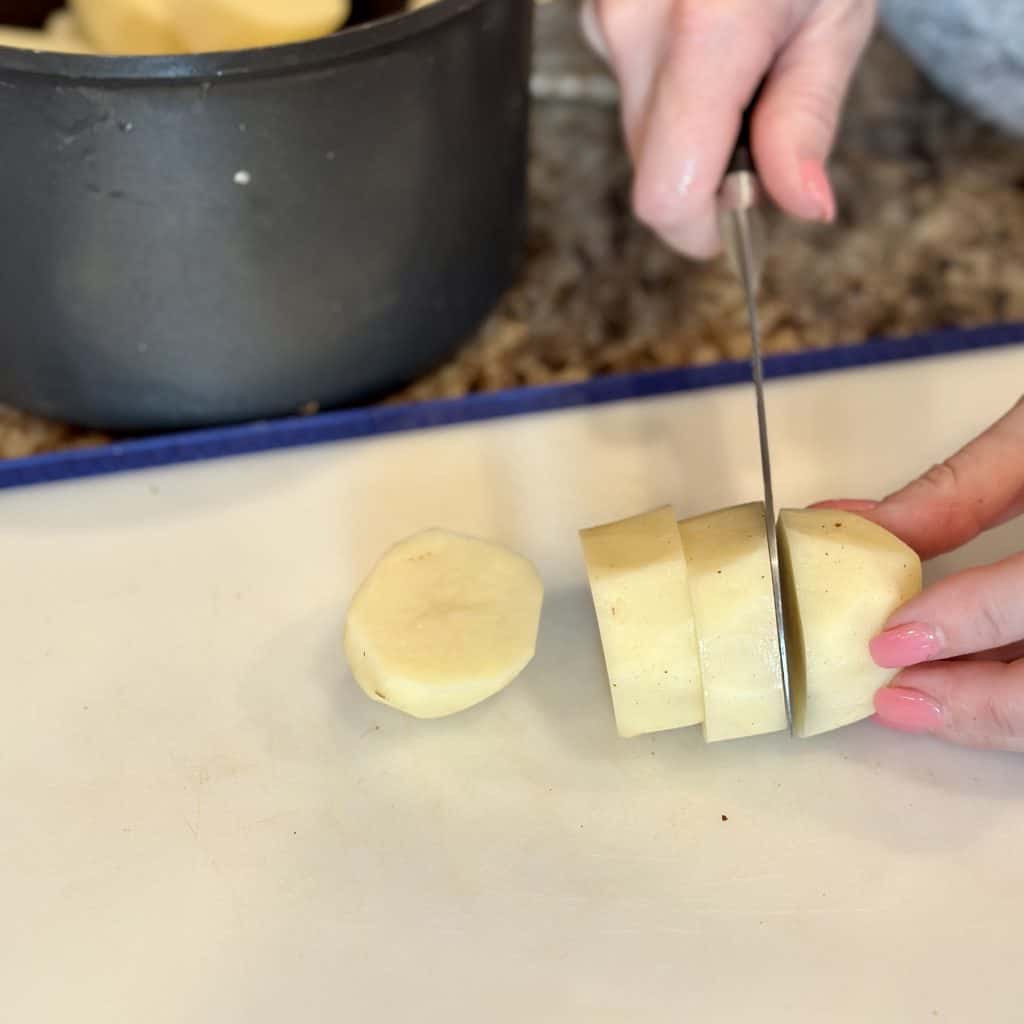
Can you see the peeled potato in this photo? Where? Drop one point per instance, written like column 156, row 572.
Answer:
column 734, row 610
column 207, row 25
column 637, row 578
column 62, row 24
column 443, row 622
column 128, row 27
column 62, row 41
column 843, row 576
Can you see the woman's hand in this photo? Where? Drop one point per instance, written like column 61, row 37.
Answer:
column 688, row 68
column 960, row 642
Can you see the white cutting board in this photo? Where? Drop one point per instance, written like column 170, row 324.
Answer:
column 203, row 820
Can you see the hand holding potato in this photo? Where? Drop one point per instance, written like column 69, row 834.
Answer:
column 960, row 643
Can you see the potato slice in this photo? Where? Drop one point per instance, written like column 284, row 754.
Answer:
column 47, row 41
column 240, row 24
column 842, row 578
column 734, row 609
column 443, row 622
column 128, row 27
column 637, row 574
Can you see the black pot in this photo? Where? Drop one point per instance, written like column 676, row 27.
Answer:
column 221, row 237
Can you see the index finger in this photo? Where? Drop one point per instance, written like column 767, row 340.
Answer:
column 979, row 487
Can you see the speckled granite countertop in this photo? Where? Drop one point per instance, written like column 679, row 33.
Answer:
column 930, row 234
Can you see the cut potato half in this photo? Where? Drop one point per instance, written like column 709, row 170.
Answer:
column 128, row 27
column 442, row 623
column 53, row 41
column 207, row 25
column 843, row 576
column 62, row 24
column 637, row 574
column 730, row 583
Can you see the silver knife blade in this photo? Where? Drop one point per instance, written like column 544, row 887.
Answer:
column 739, row 199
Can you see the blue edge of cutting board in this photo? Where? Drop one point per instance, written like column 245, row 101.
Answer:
column 267, row 435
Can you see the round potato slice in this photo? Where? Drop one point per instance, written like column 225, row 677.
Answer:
column 842, row 576
column 637, row 572
column 442, row 623
column 734, row 610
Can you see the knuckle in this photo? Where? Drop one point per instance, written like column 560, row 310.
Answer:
column 860, row 15
column 941, row 485
column 989, row 713
column 694, row 20
column 944, row 485
column 819, row 107
column 943, row 477
column 992, row 624
column 679, row 223
column 995, row 719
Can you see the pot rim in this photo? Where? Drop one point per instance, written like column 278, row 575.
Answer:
column 283, row 59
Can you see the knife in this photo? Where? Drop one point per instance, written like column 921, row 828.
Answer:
column 740, row 198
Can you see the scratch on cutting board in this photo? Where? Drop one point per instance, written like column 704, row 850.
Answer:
column 269, row 819
column 661, row 929
column 213, row 770
column 787, row 912
column 226, row 881
column 650, row 858
column 767, row 876
column 632, row 858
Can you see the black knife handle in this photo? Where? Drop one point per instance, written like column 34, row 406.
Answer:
column 742, row 158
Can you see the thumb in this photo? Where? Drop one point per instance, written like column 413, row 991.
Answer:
column 796, row 120
column 973, row 703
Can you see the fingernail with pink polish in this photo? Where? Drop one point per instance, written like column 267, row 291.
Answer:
column 820, row 199
column 907, row 710
column 909, row 644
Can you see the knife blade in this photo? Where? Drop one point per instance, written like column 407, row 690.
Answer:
column 740, row 199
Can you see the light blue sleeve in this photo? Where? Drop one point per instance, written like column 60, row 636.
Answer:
column 971, row 49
